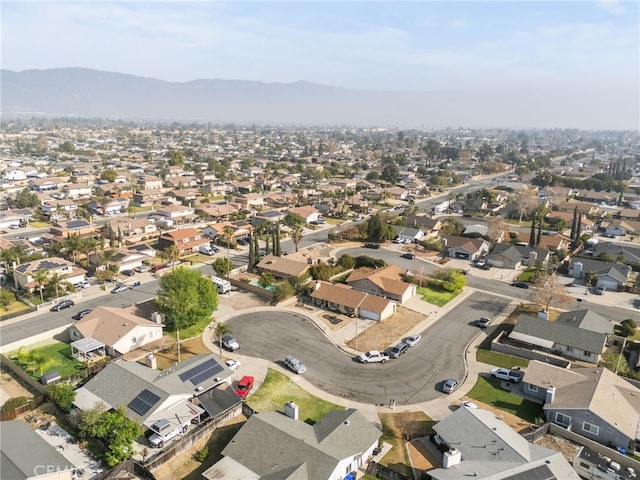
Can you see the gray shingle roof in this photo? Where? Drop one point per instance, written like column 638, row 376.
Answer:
column 561, row 333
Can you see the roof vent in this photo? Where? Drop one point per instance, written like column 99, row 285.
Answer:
column 347, row 423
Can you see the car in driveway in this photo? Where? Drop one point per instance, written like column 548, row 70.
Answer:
column 233, row 364
column 62, row 305
column 373, row 356
column 120, row 289
column 484, row 322
column 128, row 273
column 157, row 268
column 412, row 340
column 230, row 343
column 294, row 364
column 81, row 314
column 244, row 386
column 450, row 385
column 520, row 285
column 80, row 285
column 601, row 290
column 399, row 349
column 509, row 375
column 140, row 269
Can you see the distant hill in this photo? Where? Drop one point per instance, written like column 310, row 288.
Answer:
column 90, row 93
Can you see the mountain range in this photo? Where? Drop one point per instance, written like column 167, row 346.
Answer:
column 87, row 93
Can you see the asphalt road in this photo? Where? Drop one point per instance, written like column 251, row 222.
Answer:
column 415, row 377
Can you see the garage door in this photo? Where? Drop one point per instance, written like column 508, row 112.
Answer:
column 462, row 255
column 369, row 315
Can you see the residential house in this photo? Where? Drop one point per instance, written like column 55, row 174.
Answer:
column 619, row 228
column 115, row 206
column 149, row 395
column 119, row 329
column 188, row 240
column 123, row 258
column 267, row 217
column 481, row 446
column 628, row 253
column 610, row 275
column 77, row 190
column 280, row 199
column 250, row 201
column 172, row 215
column 506, row 255
column 131, row 230
column 331, row 449
column 408, row 234
column 149, row 182
column 148, row 197
column 239, row 229
column 19, row 216
column 430, row 226
column 586, row 209
column 590, row 401
column 553, row 242
column 628, row 214
column 243, row 188
column 217, row 189
column 45, row 184
column 181, row 182
column 307, row 212
column 66, row 271
column 25, row 455
column 57, row 210
column 185, row 195
column 81, row 227
column 577, row 334
column 601, row 198
column 344, row 183
column 347, row 300
column 14, row 174
column 283, row 267
column 216, row 211
column 398, row 193
column 387, row 282
column 464, row 247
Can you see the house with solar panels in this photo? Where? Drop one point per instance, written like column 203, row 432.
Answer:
column 66, row 270
column 163, row 400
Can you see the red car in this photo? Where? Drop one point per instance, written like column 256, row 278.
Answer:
column 244, row 386
column 158, row 267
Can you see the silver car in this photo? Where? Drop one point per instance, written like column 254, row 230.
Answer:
column 294, row 364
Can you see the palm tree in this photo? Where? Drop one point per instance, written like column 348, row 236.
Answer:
column 221, row 329
column 296, row 235
column 41, row 277
column 54, row 282
column 227, row 234
column 172, row 253
column 385, row 196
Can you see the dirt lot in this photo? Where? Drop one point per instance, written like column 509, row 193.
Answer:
column 10, row 387
column 380, row 335
column 567, row 448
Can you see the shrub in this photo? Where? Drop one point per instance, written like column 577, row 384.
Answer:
column 62, row 395
column 202, row 455
column 13, row 403
column 284, row 290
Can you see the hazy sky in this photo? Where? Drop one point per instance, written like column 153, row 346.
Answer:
column 591, row 48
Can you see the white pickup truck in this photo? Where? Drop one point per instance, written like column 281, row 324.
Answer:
column 373, row 356
column 509, row 375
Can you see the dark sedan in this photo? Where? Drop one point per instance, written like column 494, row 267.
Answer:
column 520, row 285
column 62, row 305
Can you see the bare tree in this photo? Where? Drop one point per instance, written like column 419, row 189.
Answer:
column 527, row 202
column 497, row 229
column 550, row 293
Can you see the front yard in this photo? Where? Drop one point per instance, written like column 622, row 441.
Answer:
column 378, row 336
column 436, row 296
column 489, row 391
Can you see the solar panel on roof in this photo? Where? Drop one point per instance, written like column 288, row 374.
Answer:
column 541, row 472
column 143, row 402
column 207, row 374
column 197, row 370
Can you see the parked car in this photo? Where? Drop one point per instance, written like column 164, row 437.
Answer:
column 481, row 262
column 509, row 375
column 410, row 256
column 450, row 385
column 120, row 289
column 412, row 340
column 375, row 246
column 230, row 343
column 128, row 273
column 520, row 285
column 398, row 350
column 62, row 305
column 244, row 386
column 83, row 284
column 158, row 268
column 82, row 314
column 233, row 364
column 373, row 356
column 600, row 290
column 483, row 322
column 294, row 364
column 140, row 269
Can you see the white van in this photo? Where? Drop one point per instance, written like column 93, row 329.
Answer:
column 224, row 286
column 206, row 249
column 165, row 431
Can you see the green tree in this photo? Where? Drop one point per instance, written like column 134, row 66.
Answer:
column 346, row 262
column 293, row 220
column 296, row 235
column 378, row 230
column 25, row 199
column 41, row 277
column 284, row 290
column 265, row 280
column 54, row 283
column 186, row 298
column 220, row 330
column 172, row 254
column 451, row 279
column 321, row 271
column 222, row 266
column 6, row 299
column 628, row 327
column 176, row 158
column 390, row 173
column 62, row 394
column 117, row 431
column 109, row 175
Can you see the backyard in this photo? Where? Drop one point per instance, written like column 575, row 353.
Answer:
column 47, row 358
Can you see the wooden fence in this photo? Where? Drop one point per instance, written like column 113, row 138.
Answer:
column 384, row 473
column 30, row 406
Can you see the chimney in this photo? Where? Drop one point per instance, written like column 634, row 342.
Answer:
column 444, row 242
column 550, row 395
column 533, row 258
column 291, row 410
column 451, row 458
column 577, row 270
column 151, row 361
column 543, row 315
column 156, row 317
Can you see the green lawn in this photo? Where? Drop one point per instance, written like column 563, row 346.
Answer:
column 278, row 389
column 488, row 390
column 59, row 358
column 528, row 275
column 500, row 359
column 14, row 307
column 191, row 331
column 436, row 296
